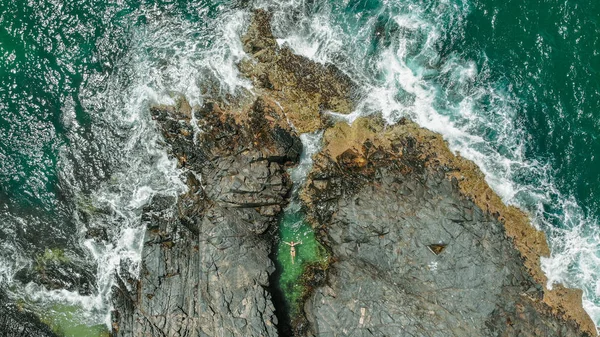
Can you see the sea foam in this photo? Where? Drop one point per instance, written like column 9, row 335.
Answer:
column 168, row 58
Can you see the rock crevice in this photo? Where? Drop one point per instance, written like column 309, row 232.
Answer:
column 205, row 267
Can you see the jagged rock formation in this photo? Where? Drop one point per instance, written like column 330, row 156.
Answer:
column 205, row 261
column 415, row 256
column 304, row 89
column 15, row 322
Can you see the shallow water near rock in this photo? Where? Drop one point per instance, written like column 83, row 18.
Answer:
column 293, row 227
column 65, row 321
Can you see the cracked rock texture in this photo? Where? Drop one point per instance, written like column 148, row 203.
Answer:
column 303, row 88
column 205, row 261
column 379, row 204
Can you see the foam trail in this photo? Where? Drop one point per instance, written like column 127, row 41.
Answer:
column 168, row 58
column 311, row 144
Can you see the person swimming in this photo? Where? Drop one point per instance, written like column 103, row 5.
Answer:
column 292, row 245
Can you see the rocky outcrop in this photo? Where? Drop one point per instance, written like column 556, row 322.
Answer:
column 205, row 262
column 415, row 254
column 303, row 88
column 419, row 244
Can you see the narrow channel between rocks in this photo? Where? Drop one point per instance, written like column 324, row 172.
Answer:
column 289, row 288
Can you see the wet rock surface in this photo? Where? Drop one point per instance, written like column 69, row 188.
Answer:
column 54, row 270
column 413, row 255
column 303, row 88
column 15, row 322
column 205, row 262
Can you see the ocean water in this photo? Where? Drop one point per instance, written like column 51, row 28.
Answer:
column 511, row 85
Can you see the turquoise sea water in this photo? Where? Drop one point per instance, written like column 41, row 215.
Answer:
column 512, row 85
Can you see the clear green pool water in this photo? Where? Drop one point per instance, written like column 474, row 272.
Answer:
column 293, row 227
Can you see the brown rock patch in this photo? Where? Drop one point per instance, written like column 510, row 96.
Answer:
column 301, row 87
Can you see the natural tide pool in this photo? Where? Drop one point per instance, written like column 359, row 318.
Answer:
column 293, row 227
column 293, row 280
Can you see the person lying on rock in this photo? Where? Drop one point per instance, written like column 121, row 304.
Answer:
column 293, row 248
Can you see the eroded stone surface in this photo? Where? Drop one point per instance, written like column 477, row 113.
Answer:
column 205, row 261
column 303, row 88
column 379, row 201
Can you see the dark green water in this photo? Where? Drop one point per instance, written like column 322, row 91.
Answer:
column 512, row 85
column 549, row 52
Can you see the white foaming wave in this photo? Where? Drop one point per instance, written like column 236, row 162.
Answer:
column 311, row 144
column 169, row 59
column 9, row 265
column 445, row 96
column 87, row 308
column 411, row 21
column 13, row 260
column 321, row 44
column 578, row 246
column 575, row 255
column 15, row 255
column 195, row 55
column 456, row 123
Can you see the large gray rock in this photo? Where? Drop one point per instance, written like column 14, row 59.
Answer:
column 205, row 265
column 413, row 256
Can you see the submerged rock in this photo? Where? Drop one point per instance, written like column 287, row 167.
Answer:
column 15, row 321
column 55, row 270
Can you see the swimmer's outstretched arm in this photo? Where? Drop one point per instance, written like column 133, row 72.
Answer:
column 287, row 243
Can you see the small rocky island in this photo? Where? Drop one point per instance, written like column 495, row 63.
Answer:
column 418, row 244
